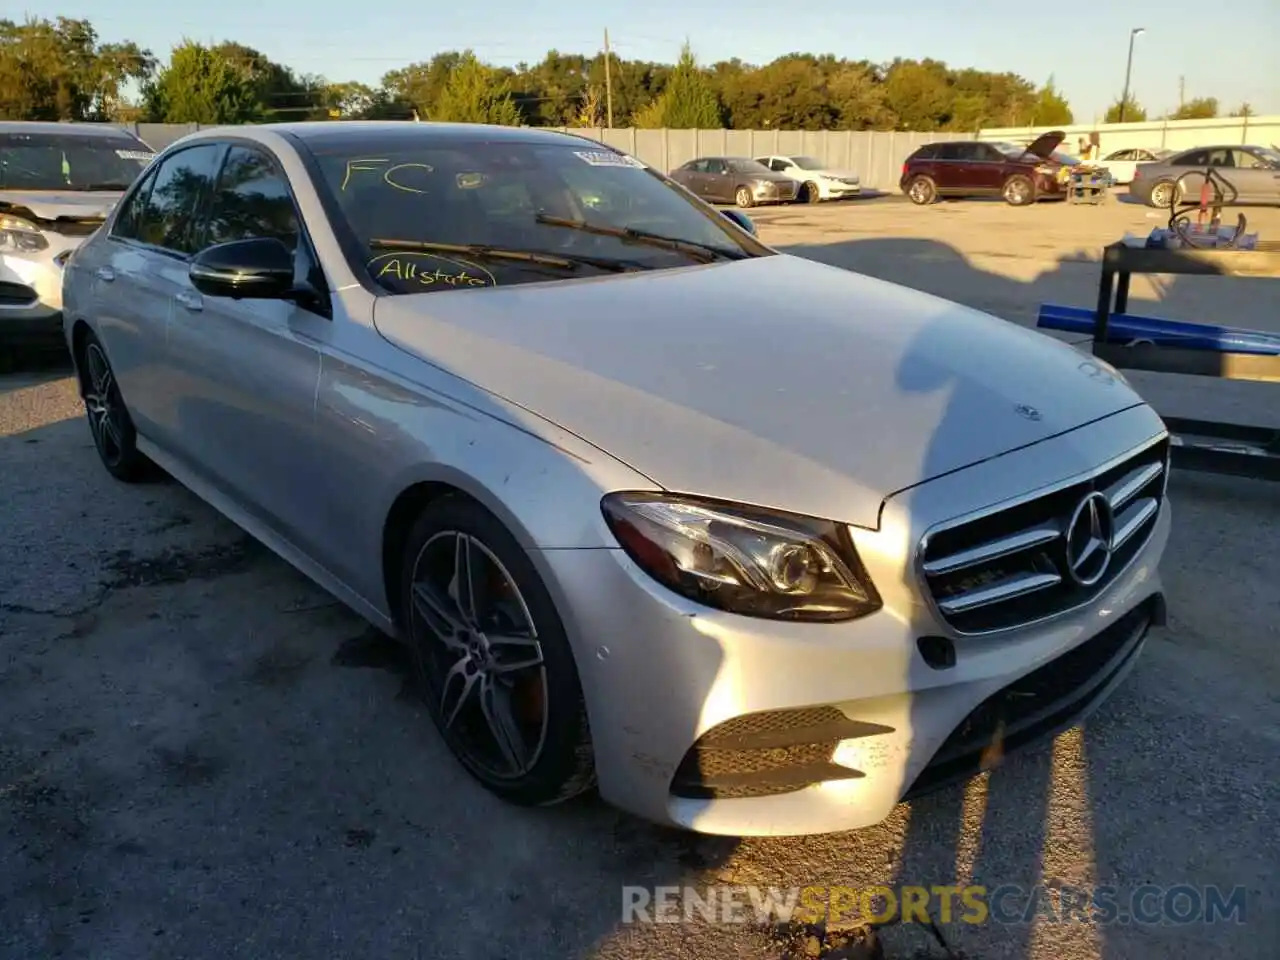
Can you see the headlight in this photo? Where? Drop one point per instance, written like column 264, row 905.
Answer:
column 743, row 560
column 20, row 236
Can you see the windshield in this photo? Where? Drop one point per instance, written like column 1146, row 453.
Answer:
column 453, row 215
column 70, row 161
column 748, row 166
column 808, row 163
column 1065, row 159
column 1271, row 155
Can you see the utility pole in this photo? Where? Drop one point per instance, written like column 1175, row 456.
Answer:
column 1128, row 70
column 1182, row 92
column 608, row 82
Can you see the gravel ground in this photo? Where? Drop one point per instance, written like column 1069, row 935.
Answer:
column 202, row 755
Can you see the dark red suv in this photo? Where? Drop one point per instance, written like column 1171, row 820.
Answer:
column 974, row 168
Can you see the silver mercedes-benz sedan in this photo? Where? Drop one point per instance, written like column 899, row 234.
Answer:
column 758, row 545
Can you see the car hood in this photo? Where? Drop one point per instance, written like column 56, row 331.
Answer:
column 71, row 204
column 838, row 174
column 776, row 381
column 1044, row 145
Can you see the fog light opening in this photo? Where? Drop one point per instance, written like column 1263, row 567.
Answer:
column 938, row 652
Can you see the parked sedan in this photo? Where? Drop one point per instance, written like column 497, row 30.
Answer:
column 757, row 544
column 735, row 180
column 1121, row 163
column 817, row 180
column 1249, row 174
column 57, row 183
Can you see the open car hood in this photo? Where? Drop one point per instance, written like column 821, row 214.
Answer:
column 1044, row 145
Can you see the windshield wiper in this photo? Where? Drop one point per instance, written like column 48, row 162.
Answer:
column 705, row 252
column 565, row 261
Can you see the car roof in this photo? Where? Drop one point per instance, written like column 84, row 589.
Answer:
column 43, row 126
column 1222, row 146
column 323, row 135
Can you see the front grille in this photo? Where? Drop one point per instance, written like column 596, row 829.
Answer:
column 1046, row 701
column 1045, row 556
column 16, row 294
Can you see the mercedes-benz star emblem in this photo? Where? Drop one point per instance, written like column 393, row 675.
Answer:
column 1090, row 536
column 1027, row 412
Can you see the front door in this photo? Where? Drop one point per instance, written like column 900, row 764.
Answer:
column 251, row 366
column 984, row 167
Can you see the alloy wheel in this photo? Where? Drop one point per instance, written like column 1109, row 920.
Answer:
column 1162, row 195
column 104, row 406
column 480, row 655
column 1016, row 191
column 919, row 191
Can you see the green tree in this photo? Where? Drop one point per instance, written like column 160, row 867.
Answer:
column 1199, row 108
column 1244, row 110
column 58, row 70
column 687, row 102
column 1051, row 108
column 1133, row 112
column 918, row 94
column 202, row 85
column 475, row 93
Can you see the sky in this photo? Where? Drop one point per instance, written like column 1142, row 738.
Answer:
column 1233, row 57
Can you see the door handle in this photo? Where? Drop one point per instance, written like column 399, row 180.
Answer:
column 192, row 301
column 105, row 273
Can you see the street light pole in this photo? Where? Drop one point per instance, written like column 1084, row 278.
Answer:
column 1128, row 71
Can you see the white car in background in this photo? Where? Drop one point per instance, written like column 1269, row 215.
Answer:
column 58, row 183
column 818, row 181
column 1122, row 163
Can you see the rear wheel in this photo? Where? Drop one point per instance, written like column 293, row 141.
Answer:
column 495, row 665
column 743, row 198
column 1019, row 191
column 921, row 191
column 113, row 432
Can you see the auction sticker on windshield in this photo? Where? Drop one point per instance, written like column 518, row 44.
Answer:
column 134, row 155
column 607, row 158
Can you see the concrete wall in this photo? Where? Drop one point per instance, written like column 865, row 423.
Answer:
column 875, row 156
column 1155, row 134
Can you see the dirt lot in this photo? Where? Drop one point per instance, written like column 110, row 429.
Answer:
column 202, row 756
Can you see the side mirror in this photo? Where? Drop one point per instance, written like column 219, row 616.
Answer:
column 741, row 219
column 258, row 269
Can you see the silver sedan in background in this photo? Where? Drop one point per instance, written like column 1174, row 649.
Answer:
column 758, row 545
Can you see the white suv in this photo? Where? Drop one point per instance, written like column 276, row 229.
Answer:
column 58, row 182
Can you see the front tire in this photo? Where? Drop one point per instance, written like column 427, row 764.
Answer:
column 492, row 656
column 921, row 191
column 743, row 198
column 1019, row 191
column 114, row 435
column 812, row 193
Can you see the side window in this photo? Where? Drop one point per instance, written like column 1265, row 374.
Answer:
column 717, row 166
column 929, row 152
column 1248, row 161
column 251, row 201
column 700, row 166
column 1196, row 158
column 985, row 152
column 1220, row 158
column 779, row 165
column 1124, row 155
column 129, row 220
column 181, row 184
column 950, row 151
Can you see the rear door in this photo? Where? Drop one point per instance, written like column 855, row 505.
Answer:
column 948, row 168
column 144, row 266
column 719, row 186
column 251, row 366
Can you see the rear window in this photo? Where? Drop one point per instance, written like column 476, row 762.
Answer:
column 928, row 152
column 70, row 161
